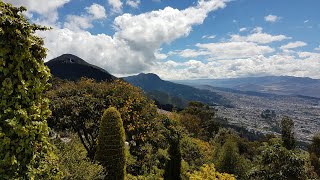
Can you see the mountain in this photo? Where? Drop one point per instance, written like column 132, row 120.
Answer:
column 71, row 67
column 281, row 85
column 178, row 94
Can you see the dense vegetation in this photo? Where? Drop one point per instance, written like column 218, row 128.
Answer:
column 25, row 151
column 132, row 139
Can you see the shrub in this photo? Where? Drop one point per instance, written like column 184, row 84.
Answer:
column 208, row 172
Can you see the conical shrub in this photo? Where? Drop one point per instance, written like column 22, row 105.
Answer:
column 111, row 144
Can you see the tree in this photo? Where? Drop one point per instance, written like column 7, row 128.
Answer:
column 25, row 151
column 111, row 144
column 287, row 132
column 173, row 166
column 229, row 159
column 79, row 106
column 204, row 117
column 208, row 172
column 314, row 150
column 277, row 162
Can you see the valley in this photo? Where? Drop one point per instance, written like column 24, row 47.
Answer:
column 247, row 109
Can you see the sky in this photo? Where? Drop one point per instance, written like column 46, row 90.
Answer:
column 184, row 39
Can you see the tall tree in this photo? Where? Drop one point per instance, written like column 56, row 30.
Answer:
column 287, row 132
column 25, row 152
column 111, row 144
column 314, row 150
column 173, row 166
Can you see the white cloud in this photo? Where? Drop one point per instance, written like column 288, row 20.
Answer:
column 116, row 5
column 97, row 11
column 306, row 21
column 293, row 45
column 47, row 9
column 272, row 18
column 147, row 32
column 225, row 50
column 259, row 37
column 133, row 3
column 84, row 21
column 241, row 67
column 135, row 46
column 317, row 48
column 189, row 53
column 208, row 37
column 242, row 29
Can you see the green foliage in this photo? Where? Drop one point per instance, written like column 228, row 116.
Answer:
column 208, row 172
column 79, row 106
column 287, row 132
column 314, row 151
column 315, row 145
column 229, row 159
column 25, row 152
column 200, row 120
column 231, row 153
column 196, row 152
column 73, row 162
column 277, row 162
column 111, row 144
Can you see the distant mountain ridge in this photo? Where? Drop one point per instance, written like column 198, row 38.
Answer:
column 151, row 83
column 71, row 67
column 281, row 85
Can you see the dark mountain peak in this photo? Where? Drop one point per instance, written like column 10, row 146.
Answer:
column 71, row 67
column 68, row 59
column 149, row 76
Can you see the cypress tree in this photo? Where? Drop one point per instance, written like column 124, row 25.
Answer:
column 111, row 144
column 173, row 167
column 25, row 152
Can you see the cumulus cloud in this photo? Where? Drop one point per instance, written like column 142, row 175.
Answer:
column 272, row 18
column 133, row 3
column 96, row 11
column 136, row 45
column 293, row 45
column 259, row 37
column 84, row 21
column 233, row 50
column 116, row 6
column 260, row 65
column 47, row 9
column 317, row 48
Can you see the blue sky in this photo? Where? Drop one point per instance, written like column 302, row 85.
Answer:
column 185, row 39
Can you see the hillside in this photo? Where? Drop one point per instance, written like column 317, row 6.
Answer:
column 151, row 83
column 71, row 67
column 282, row 85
